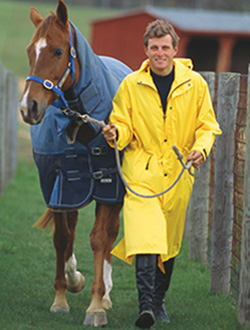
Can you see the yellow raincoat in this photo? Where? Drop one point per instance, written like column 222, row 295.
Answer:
column 150, row 165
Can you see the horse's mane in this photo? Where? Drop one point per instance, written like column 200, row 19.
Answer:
column 41, row 31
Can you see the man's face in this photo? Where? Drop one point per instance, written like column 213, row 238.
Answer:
column 161, row 52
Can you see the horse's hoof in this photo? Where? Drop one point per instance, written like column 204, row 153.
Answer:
column 96, row 319
column 79, row 287
column 106, row 303
column 59, row 309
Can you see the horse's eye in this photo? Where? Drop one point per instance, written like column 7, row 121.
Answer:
column 58, row 52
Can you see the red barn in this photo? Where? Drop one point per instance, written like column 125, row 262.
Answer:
column 215, row 41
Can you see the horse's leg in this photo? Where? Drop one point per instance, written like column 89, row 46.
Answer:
column 102, row 237
column 112, row 232
column 62, row 238
column 75, row 280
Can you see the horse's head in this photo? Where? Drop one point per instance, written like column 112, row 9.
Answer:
column 50, row 58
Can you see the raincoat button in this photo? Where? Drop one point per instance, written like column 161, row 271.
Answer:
column 165, row 140
column 165, row 174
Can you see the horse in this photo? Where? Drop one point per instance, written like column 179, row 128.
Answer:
column 66, row 74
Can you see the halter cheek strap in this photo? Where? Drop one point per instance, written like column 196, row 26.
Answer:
column 70, row 69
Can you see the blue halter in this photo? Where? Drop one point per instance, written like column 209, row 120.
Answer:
column 70, row 68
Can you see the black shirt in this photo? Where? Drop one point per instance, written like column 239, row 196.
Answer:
column 163, row 85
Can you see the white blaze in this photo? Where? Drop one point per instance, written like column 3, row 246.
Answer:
column 23, row 101
column 40, row 44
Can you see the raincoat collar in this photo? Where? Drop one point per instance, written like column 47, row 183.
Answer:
column 182, row 66
column 144, row 76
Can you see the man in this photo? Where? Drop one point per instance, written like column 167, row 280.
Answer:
column 164, row 103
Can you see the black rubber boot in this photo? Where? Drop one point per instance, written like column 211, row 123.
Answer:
column 145, row 278
column 162, row 282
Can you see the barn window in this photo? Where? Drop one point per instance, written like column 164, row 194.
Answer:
column 241, row 56
column 203, row 52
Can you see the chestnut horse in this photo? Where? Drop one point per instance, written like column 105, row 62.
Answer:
column 58, row 70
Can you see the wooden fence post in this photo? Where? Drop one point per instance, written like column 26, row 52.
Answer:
column 244, row 287
column 11, row 125
column 3, row 74
column 8, row 126
column 198, row 209
column 228, row 95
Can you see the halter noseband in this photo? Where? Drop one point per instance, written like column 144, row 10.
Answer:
column 70, row 69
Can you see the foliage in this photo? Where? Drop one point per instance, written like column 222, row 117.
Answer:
column 232, row 5
column 17, row 29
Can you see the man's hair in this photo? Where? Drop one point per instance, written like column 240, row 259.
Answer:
column 159, row 28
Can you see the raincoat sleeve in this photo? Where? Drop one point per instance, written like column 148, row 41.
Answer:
column 121, row 116
column 206, row 126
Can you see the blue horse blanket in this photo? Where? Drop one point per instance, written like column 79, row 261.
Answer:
column 73, row 174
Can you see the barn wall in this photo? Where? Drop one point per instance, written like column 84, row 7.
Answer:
column 122, row 38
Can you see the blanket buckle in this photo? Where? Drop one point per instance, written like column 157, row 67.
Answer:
column 96, row 151
column 97, row 175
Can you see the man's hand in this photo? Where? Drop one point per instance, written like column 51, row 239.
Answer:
column 109, row 132
column 197, row 158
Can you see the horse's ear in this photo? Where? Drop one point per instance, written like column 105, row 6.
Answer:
column 62, row 12
column 35, row 16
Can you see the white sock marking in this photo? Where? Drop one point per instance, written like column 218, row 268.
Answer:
column 70, row 265
column 107, row 278
column 73, row 276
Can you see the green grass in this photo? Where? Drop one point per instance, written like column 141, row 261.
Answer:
column 16, row 29
column 27, row 270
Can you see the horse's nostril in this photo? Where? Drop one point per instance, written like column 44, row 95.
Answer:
column 33, row 107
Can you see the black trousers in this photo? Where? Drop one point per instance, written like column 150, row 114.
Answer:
column 162, row 281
